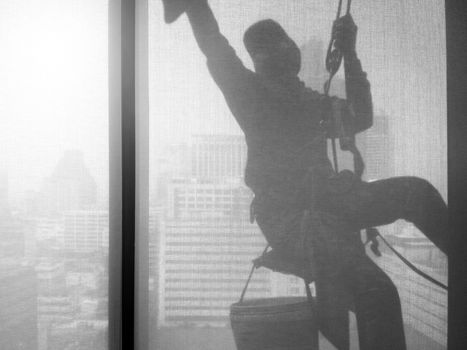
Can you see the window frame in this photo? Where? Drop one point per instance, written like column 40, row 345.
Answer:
column 122, row 180
column 456, row 29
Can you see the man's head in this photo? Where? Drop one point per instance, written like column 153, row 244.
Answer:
column 273, row 52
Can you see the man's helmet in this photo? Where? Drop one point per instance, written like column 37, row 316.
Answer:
column 273, row 52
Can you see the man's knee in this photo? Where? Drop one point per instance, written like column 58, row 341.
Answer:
column 419, row 184
column 417, row 193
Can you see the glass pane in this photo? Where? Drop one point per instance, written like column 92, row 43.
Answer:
column 53, row 174
column 201, row 242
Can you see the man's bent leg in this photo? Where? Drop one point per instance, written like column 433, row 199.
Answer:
column 427, row 210
column 382, row 202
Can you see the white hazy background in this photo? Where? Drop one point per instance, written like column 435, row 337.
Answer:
column 53, row 88
column 53, row 78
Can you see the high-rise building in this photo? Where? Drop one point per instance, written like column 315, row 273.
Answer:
column 313, row 72
column 49, row 228
column 218, row 156
column 70, row 186
column 204, row 266
column 377, row 152
column 197, row 197
column 86, row 231
column 156, row 222
column 51, row 278
column 53, row 311
column 206, row 241
column 12, row 238
column 18, row 307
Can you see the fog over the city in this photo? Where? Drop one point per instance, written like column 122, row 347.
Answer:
column 53, row 89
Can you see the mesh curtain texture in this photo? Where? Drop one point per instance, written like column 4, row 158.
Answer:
column 199, row 254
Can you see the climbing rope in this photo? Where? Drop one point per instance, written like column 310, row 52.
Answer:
column 333, row 62
column 333, row 55
column 412, row 266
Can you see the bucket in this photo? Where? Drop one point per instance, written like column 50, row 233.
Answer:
column 287, row 323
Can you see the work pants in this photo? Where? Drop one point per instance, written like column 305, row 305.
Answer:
column 347, row 276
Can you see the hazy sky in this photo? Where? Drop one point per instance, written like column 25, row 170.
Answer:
column 54, row 93
column 53, row 86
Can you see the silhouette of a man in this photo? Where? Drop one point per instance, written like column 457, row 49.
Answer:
column 281, row 120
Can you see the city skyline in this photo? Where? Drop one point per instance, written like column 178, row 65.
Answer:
column 200, row 236
column 53, row 265
column 199, row 189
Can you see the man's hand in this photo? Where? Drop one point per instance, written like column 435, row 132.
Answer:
column 174, row 8
column 344, row 32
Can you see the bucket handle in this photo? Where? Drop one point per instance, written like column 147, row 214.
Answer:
column 255, row 266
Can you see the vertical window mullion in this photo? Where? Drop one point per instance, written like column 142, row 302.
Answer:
column 115, row 176
column 122, row 173
column 457, row 104
column 128, row 172
column 142, row 178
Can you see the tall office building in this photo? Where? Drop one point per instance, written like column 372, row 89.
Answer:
column 376, row 148
column 49, row 228
column 204, row 266
column 50, row 278
column 12, row 239
column 156, row 221
column 172, row 161
column 18, row 307
column 69, row 187
column 197, row 197
column 53, row 311
column 206, row 241
column 156, row 227
column 313, row 71
column 218, row 156
column 86, row 231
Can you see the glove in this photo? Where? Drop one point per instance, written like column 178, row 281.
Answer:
column 344, row 32
column 174, row 9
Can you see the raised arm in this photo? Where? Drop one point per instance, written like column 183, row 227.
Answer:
column 225, row 66
column 357, row 85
